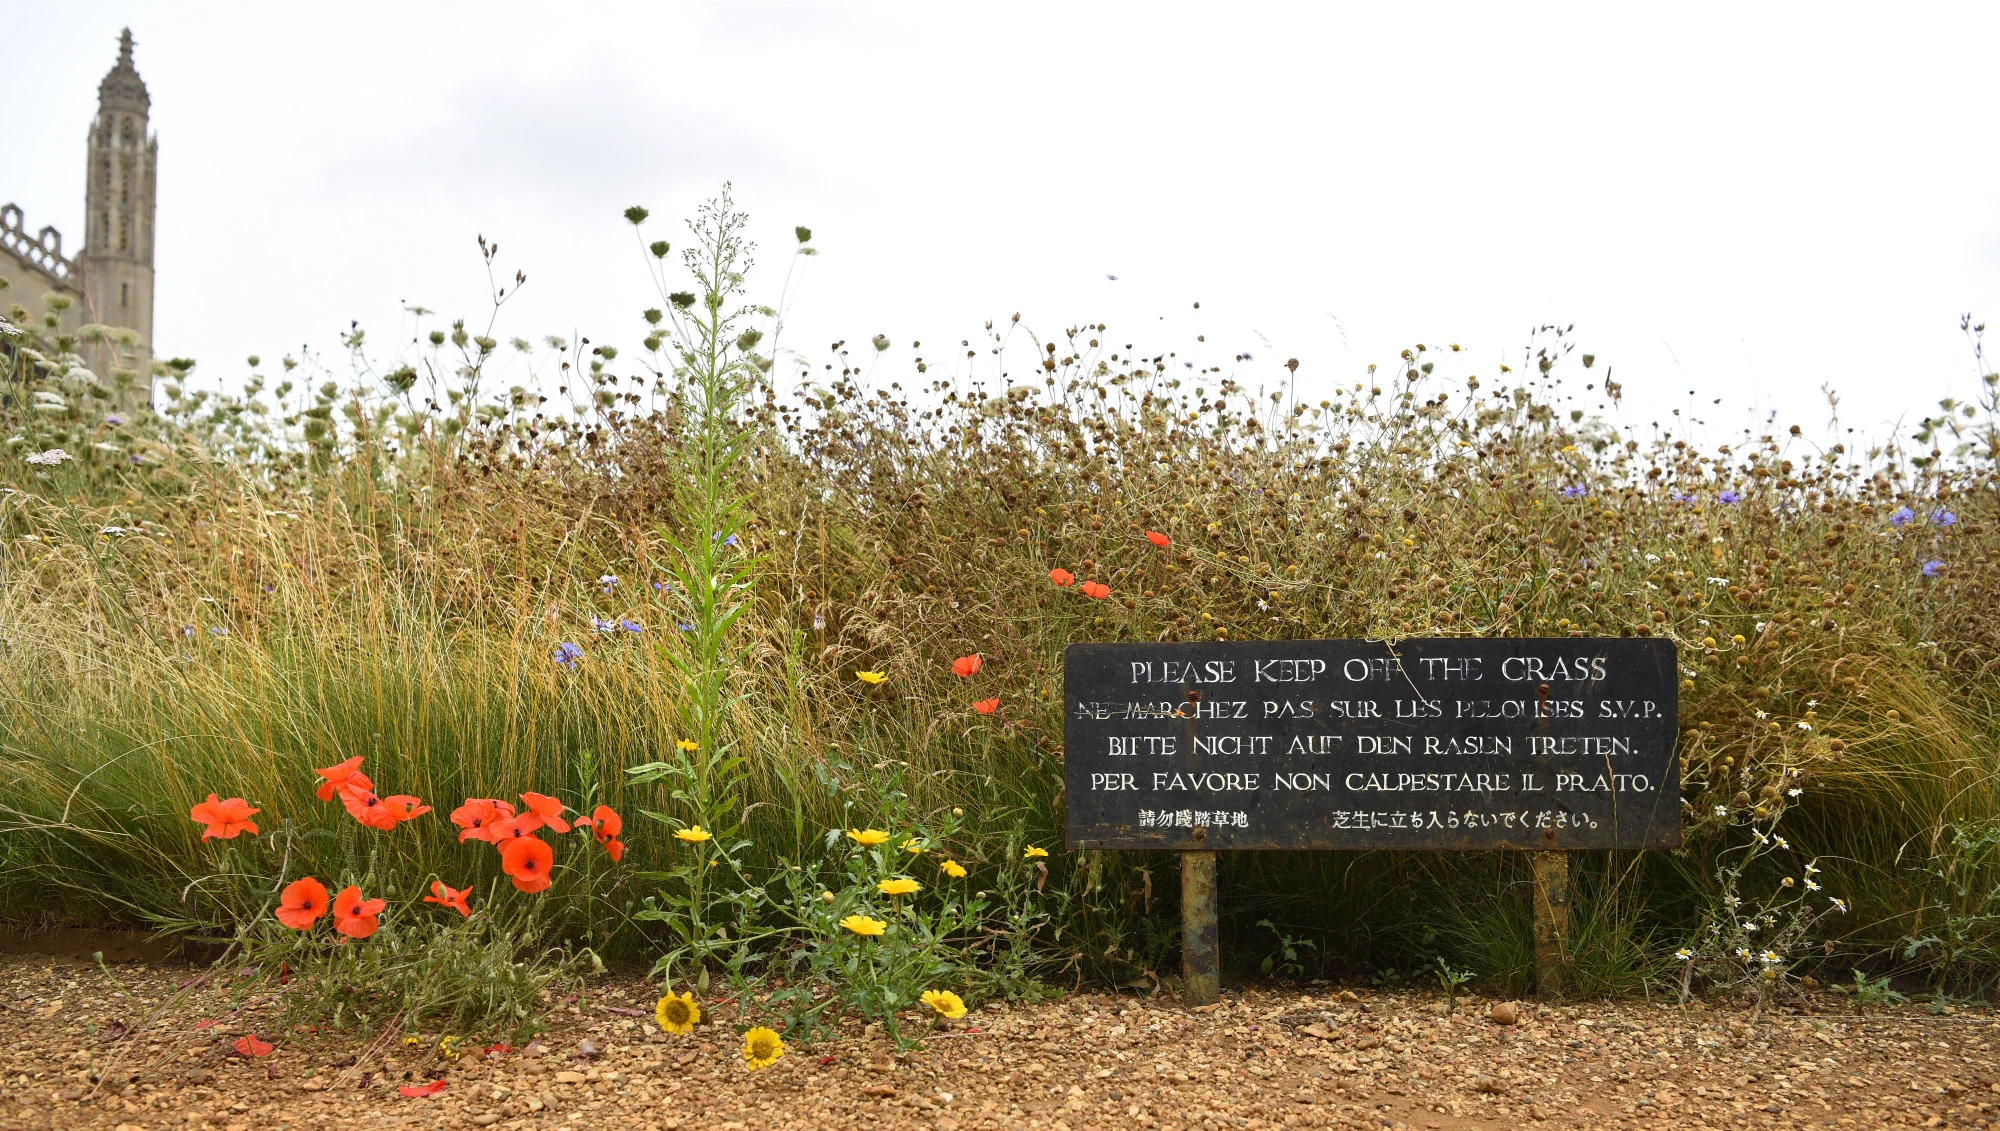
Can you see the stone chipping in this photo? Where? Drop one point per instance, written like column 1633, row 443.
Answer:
column 136, row 1047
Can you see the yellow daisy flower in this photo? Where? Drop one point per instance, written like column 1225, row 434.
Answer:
column 867, row 838
column 695, row 835
column 762, row 1047
column 677, row 1013
column 949, row 1005
column 864, row 926
column 953, row 869
column 898, row 887
column 871, row 678
column 913, row 846
column 1033, row 853
column 688, row 744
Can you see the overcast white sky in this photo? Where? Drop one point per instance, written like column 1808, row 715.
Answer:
column 1748, row 201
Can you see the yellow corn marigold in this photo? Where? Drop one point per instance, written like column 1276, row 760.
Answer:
column 864, row 926
column 695, row 835
column 871, row 678
column 677, row 1013
column 867, row 838
column 953, row 869
column 899, row 886
column 762, row 1047
column 1034, row 852
column 949, row 1005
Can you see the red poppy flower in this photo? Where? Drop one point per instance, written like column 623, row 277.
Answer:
column 404, row 807
column 419, row 1091
column 477, row 816
column 368, row 809
column 354, row 916
column 528, row 859
column 1158, row 539
column 345, row 776
column 224, row 819
column 1096, row 591
column 512, row 828
column 249, row 1045
column 1062, row 577
column 614, row 848
column 987, row 706
column 965, row 667
column 606, row 822
column 302, row 903
column 455, row 900
column 548, row 809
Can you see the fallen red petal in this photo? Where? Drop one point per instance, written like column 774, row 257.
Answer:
column 418, row 1091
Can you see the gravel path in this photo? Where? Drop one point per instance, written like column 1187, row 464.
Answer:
column 81, row 1047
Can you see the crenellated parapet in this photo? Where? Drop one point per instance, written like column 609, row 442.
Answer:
column 41, row 251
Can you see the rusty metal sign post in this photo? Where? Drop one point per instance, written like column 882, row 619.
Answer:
column 1537, row 745
column 1201, row 970
column 1551, row 923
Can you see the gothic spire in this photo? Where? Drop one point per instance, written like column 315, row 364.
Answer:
column 122, row 87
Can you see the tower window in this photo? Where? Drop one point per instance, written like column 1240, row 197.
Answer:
column 124, row 294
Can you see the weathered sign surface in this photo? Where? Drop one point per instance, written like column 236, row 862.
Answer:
column 1435, row 743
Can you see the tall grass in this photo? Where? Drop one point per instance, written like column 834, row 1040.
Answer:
column 395, row 588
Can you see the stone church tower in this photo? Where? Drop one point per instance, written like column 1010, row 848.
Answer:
column 110, row 282
column 117, row 257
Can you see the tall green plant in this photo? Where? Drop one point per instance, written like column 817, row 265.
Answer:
column 706, row 343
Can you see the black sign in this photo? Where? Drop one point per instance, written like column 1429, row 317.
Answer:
column 1453, row 743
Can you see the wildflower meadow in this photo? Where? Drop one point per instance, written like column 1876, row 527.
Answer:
column 422, row 680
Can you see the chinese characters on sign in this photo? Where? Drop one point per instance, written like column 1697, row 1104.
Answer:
column 1455, row 743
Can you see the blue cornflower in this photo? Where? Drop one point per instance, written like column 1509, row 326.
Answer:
column 630, row 625
column 218, row 631
column 1943, row 517
column 1903, row 515
column 1575, row 491
column 729, row 541
column 602, row 625
column 1932, row 567
column 1728, row 496
column 608, row 580
column 1682, row 496
column 568, row 654
column 187, row 630
column 684, row 627
column 113, row 419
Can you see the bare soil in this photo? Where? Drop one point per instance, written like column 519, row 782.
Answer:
column 134, row 1047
